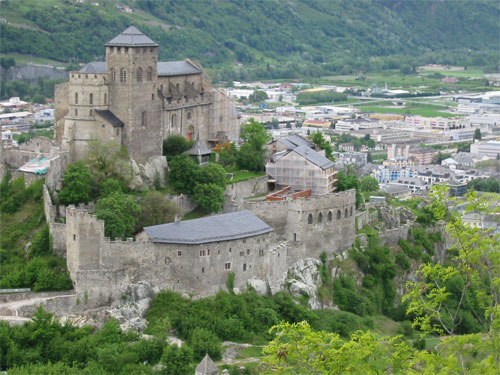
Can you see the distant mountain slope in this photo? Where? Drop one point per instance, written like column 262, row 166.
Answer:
column 258, row 32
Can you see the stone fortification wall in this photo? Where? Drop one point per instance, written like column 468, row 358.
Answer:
column 311, row 225
column 391, row 237
column 248, row 188
column 101, row 269
column 57, row 230
column 37, row 148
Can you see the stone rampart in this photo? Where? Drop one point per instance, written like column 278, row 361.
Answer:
column 57, row 230
column 248, row 188
column 101, row 269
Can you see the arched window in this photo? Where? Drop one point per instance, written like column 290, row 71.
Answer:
column 105, row 98
column 91, row 99
column 345, row 213
column 143, row 118
column 150, row 74
column 320, row 218
column 76, row 98
column 139, row 75
column 244, row 266
column 123, row 75
column 310, row 219
column 113, row 75
column 351, row 211
column 329, row 216
column 189, row 116
column 339, row 215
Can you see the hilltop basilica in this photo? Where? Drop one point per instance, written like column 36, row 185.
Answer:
column 137, row 101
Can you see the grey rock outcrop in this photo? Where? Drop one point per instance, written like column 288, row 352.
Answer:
column 131, row 312
column 304, row 279
column 154, row 171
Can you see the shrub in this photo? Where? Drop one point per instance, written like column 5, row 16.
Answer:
column 204, row 341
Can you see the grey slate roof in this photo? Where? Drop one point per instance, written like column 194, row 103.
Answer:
column 131, row 37
column 225, row 227
column 294, row 141
column 206, row 366
column 198, row 149
column 176, row 68
column 314, row 157
column 110, row 117
column 94, row 67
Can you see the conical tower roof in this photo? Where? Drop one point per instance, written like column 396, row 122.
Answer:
column 131, row 37
column 198, row 149
column 206, row 367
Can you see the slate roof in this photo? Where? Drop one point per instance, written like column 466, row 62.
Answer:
column 110, row 117
column 198, row 149
column 314, row 157
column 131, row 37
column 176, row 68
column 294, row 141
column 94, row 67
column 225, row 227
column 206, row 366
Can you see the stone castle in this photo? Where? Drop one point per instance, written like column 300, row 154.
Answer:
column 137, row 101
column 257, row 241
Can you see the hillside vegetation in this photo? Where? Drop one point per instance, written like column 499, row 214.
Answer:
column 313, row 37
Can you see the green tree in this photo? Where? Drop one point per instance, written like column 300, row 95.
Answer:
column 175, row 145
column 250, row 159
column 348, row 180
column 110, row 186
column 178, row 360
column 204, row 341
column 438, row 304
column 368, row 183
column 76, row 184
column 118, row 212
column 183, row 174
column 38, row 99
column 320, row 141
column 477, row 134
column 252, row 153
column 258, row 96
column 154, row 209
column 41, row 244
column 212, row 173
column 210, row 197
column 255, row 134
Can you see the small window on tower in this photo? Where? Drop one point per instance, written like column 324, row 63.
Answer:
column 113, row 75
column 150, row 74
column 123, row 75
column 105, row 98
column 91, row 98
column 76, row 98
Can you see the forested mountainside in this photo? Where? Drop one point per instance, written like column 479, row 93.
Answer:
column 312, row 36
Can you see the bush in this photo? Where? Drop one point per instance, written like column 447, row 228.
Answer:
column 204, row 341
column 402, row 261
column 175, row 145
column 183, row 174
column 76, row 184
column 210, row 197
